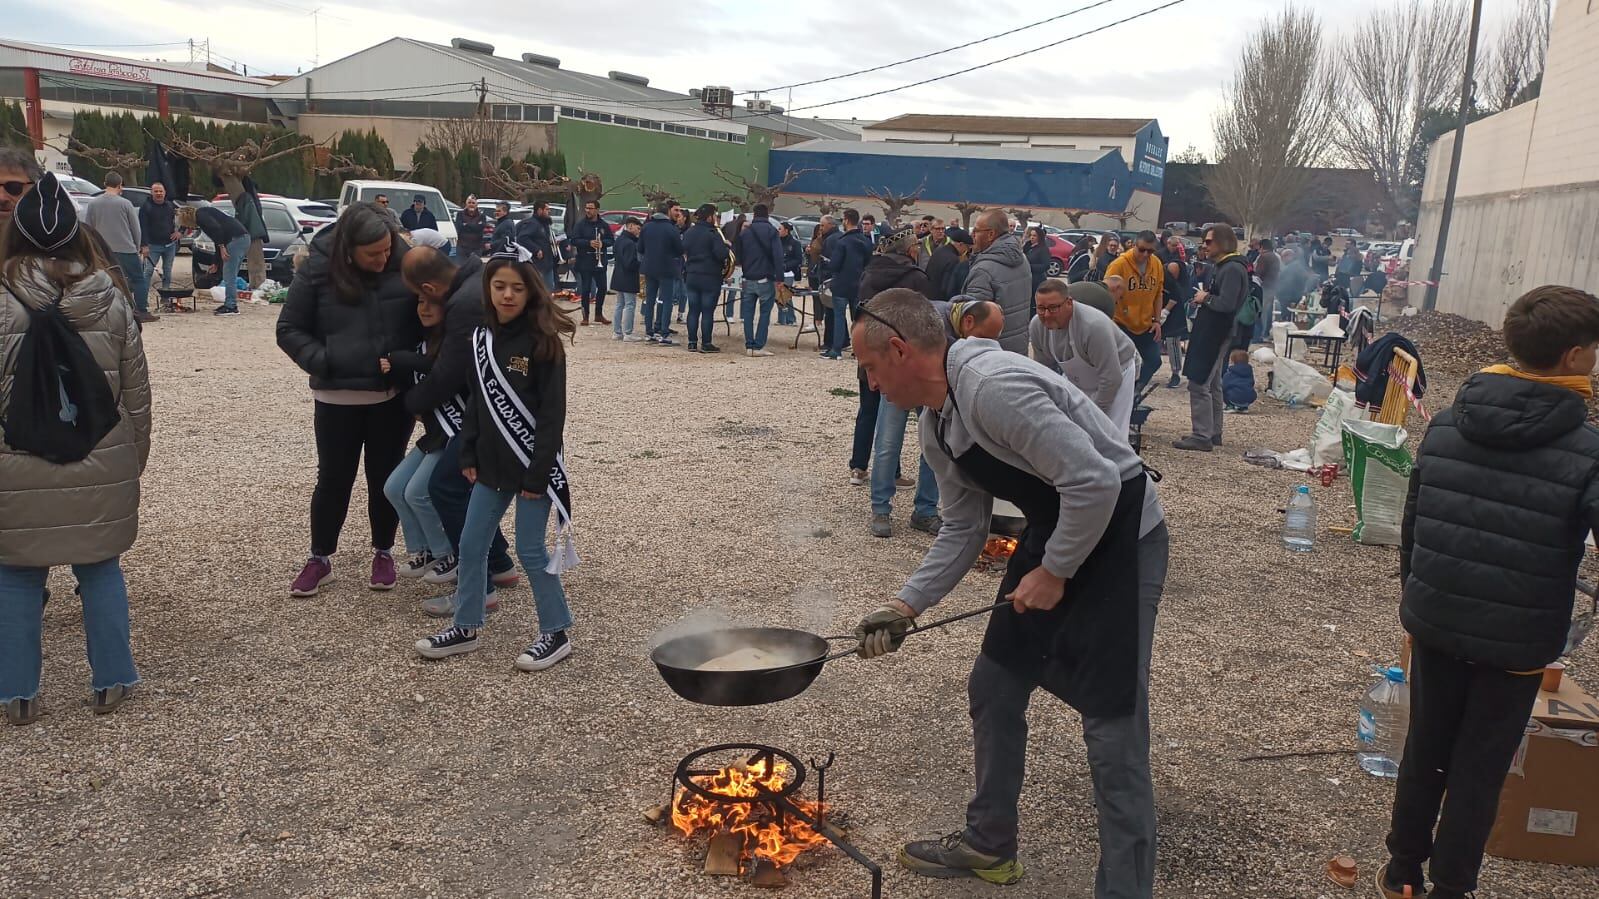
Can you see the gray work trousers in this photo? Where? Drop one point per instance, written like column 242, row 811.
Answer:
column 1205, row 399
column 1118, row 755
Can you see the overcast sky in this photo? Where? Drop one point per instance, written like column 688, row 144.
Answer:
column 1169, row 65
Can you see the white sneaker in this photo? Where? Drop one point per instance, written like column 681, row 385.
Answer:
column 761, row 353
column 631, row 338
column 616, row 336
column 443, row 571
column 417, row 565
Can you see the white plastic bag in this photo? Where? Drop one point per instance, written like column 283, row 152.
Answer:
column 1263, row 355
column 1296, row 382
column 1327, row 440
column 1279, row 337
column 1329, row 326
column 219, row 293
column 1379, row 471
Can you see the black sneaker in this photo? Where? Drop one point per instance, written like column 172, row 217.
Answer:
column 227, row 310
column 443, row 571
column 544, row 652
column 452, row 642
column 693, row 349
column 666, row 341
column 710, row 348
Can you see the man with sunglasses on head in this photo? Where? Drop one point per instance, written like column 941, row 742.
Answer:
column 1077, row 605
column 1137, row 309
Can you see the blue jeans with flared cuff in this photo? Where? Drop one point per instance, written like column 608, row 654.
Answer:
column 483, row 514
column 888, row 444
column 407, row 490
column 105, row 627
column 764, row 293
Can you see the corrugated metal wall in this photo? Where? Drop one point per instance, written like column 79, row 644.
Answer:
column 1502, row 245
column 684, row 165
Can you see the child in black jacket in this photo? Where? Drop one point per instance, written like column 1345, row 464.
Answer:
column 511, row 450
column 1503, row 492
column 426, row 541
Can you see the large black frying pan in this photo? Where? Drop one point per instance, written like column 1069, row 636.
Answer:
column 802, row 652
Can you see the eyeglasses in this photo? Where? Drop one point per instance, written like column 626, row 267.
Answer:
column 1051, row 309
column 862, row 310
column 1143, row 249
column 1208, row 241
column 15, row 188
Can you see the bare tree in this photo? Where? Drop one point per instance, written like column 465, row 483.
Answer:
column 493, row 139
column 1512, row 67
column 1075, row 216
column 233, row 165
column 111, row 160
column 526, row 182
column 1190, row 156
column 1126, row 215
column 826, row 205
column 656, row 194
column 1401, row 62
column 1275, row 122
column 896, row 204
column 337, row 165
column 967, row 210
column 1025, row 216
column 747, row 193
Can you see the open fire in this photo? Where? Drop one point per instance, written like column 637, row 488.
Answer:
column 761, row 829
column 997, row 552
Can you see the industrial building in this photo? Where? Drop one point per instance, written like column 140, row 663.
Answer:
column 615, row 124
column 53, row 84
column 1527, row 206
column 1108, row 172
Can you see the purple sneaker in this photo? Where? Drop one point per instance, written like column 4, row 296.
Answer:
column 383, row 576
column 316, row 572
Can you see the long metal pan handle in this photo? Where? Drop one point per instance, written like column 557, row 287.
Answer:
column 915, row 630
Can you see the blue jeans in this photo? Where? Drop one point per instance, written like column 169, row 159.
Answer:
column 701, row 314
column 626, row 306
column 785, row 314
column 766, row 292
column 167, row 255
column 1149, row 348
column 451, row 492
column 658, row 293
column 889, row 442
column 680, row 293
column 860, row 456
column 105, row 625
column 839, row 331
column 483, row 516
column 138, row 288
column 237, row 247
column 591, row 286
column 407, row 490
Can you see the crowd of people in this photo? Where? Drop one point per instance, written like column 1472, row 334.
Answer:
column 1022, row 386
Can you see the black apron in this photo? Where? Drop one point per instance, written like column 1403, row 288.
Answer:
column 1085, row 650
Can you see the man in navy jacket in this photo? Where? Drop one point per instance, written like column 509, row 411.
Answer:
column 661, row 248
column 535, row 233
column 760, row 253
column 590, row 263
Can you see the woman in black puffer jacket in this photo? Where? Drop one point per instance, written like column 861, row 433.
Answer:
column 348, row 308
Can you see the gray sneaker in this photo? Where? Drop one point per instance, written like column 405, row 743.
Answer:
column 1197, row 444
column 951, row 857
column 1215, row 441
column 882, row 526
column 444, row 606
column 930, row 524
column 21, row 712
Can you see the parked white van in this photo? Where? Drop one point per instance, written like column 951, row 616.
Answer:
column 400, row 194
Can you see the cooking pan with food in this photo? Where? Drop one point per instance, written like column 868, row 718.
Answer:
column 755, row 665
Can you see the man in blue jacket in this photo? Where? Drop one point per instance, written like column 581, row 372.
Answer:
column 761, row 255
column 534, row 233
column 661, row 248
column 591, row 236
column 848, row 263
column 793, row 268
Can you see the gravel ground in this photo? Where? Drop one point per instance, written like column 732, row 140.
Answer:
column 289, row 747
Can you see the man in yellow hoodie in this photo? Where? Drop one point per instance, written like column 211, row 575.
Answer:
column 1139, row 304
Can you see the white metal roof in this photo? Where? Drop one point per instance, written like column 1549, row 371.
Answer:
column 17, row 54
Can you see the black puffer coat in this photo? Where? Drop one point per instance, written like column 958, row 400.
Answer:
column 1505, row 486
column 542, row 389
column 889, row 270
column 339, row 342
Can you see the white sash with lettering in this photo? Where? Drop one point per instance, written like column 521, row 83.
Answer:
column 515, row 424
column 452, row 413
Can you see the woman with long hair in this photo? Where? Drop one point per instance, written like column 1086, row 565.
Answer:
column 347, row 310
column 511, row 452
column 67, row 508
column 1110, row 246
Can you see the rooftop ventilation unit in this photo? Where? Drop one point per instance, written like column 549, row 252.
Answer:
column 539, row 59
column 629, row 78
column 461, row 43
column 696, row 92
column 718, row 96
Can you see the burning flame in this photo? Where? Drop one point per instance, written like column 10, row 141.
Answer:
column 1000, row 547
column 755, row 822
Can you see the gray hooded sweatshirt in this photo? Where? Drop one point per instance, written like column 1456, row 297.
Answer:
column 1092, row 337
column 1001, row 273
column 1030, row 417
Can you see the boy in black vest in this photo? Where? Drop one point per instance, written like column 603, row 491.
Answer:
column 1505, row 488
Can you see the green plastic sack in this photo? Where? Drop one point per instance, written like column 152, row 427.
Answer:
column 1379, row 471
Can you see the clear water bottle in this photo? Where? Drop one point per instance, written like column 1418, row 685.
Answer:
column 1384, row 722
column 1299, row 528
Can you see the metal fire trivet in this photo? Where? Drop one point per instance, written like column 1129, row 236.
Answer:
column 777, row 800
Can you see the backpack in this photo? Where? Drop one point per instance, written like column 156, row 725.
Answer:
column 1249, row 312
column 61, row 404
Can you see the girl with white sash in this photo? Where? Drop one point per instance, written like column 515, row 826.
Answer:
column 511, row 452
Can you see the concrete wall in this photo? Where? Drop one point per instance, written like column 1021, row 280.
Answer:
column 1527, row 203
column 682, row 164
column 403, row 135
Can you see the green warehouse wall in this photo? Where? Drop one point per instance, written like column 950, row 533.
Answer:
column 681, row 164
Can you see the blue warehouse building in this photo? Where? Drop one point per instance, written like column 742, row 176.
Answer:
column 1095, row 174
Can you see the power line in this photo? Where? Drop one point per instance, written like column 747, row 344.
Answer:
column 115, row 46
column 970, row 69
column 890, row 65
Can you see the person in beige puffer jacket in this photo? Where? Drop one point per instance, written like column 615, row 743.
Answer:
column 84, row 514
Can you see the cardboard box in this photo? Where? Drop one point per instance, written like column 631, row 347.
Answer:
column 1549, row 808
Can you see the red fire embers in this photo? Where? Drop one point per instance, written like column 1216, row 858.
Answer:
column 760, row 829
column 996, row 552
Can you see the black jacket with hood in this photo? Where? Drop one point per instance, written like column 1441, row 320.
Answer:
column 889, row 270
column 707, row 253
column 338, row 341
column 939, row 266
column 542, row 389
column 1504, row 489
column 451, row 373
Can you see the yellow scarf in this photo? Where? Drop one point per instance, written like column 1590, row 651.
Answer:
column 1580, row 383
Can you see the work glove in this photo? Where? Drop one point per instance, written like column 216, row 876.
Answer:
column 881, row 632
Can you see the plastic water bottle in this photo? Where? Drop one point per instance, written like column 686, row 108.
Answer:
column 1299, row 528
column 1384, row 722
